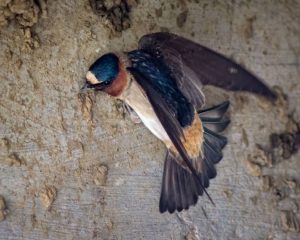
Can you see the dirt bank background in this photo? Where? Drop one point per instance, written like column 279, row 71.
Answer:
column 74, row 167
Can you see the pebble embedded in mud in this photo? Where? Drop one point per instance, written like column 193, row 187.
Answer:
column 47, row 196
column 100, row 175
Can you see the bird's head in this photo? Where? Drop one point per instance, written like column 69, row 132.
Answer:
column 102, row 72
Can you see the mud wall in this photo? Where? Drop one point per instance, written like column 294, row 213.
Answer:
column 75, row 167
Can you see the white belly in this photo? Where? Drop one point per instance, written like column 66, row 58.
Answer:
column 153, row 124
column 137, row 100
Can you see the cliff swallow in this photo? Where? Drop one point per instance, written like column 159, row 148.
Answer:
column 161, row 82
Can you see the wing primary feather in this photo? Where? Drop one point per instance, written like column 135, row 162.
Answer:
column 168, row 121
column 212, row 68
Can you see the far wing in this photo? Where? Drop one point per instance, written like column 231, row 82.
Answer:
column 194, row 65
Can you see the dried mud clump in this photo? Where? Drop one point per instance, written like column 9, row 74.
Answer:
column 259, row 159
column 248, row 29
column 193, row 234
column 286, row 143
column 285, row 191
column 117, row 12
column 262, row 157
column 47, row 196
column 252, row 168
column 25, row 12
column 285, row 194
column 282, row 188
column 87, row 101
column 100, row 175
column 227, row 193
column 31, row 41
column 290, row 222
column 3, row 209
column 14, row 160
column 181, row 18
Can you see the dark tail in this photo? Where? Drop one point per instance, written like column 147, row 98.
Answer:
column 180, row 188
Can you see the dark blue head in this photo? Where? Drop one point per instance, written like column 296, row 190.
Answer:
column 105, row 69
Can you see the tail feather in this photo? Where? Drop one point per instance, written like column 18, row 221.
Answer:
column 204, row 175
column 172, row 186
column 184, row 191
column 211, row 170
column 212, row 153
column 215, row 111
column 215, row 124
column 180, row 188
column 176, row 188
column 180, row 200
column 214, row 138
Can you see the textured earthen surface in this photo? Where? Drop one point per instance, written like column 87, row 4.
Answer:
column 73, row 166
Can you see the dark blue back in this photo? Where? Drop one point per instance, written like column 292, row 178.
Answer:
column 162, row 81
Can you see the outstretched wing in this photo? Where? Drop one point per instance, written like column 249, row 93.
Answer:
column 193, row 65
column 168, row 120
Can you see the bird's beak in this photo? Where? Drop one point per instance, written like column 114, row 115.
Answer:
column 85, row 88
column 98, row 87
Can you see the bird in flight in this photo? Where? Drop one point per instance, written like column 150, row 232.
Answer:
column 161, row 85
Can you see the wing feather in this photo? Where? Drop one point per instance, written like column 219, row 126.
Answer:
column 193, row 65
column 168, row 121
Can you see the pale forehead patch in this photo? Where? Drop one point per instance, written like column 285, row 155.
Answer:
column 91, row 78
